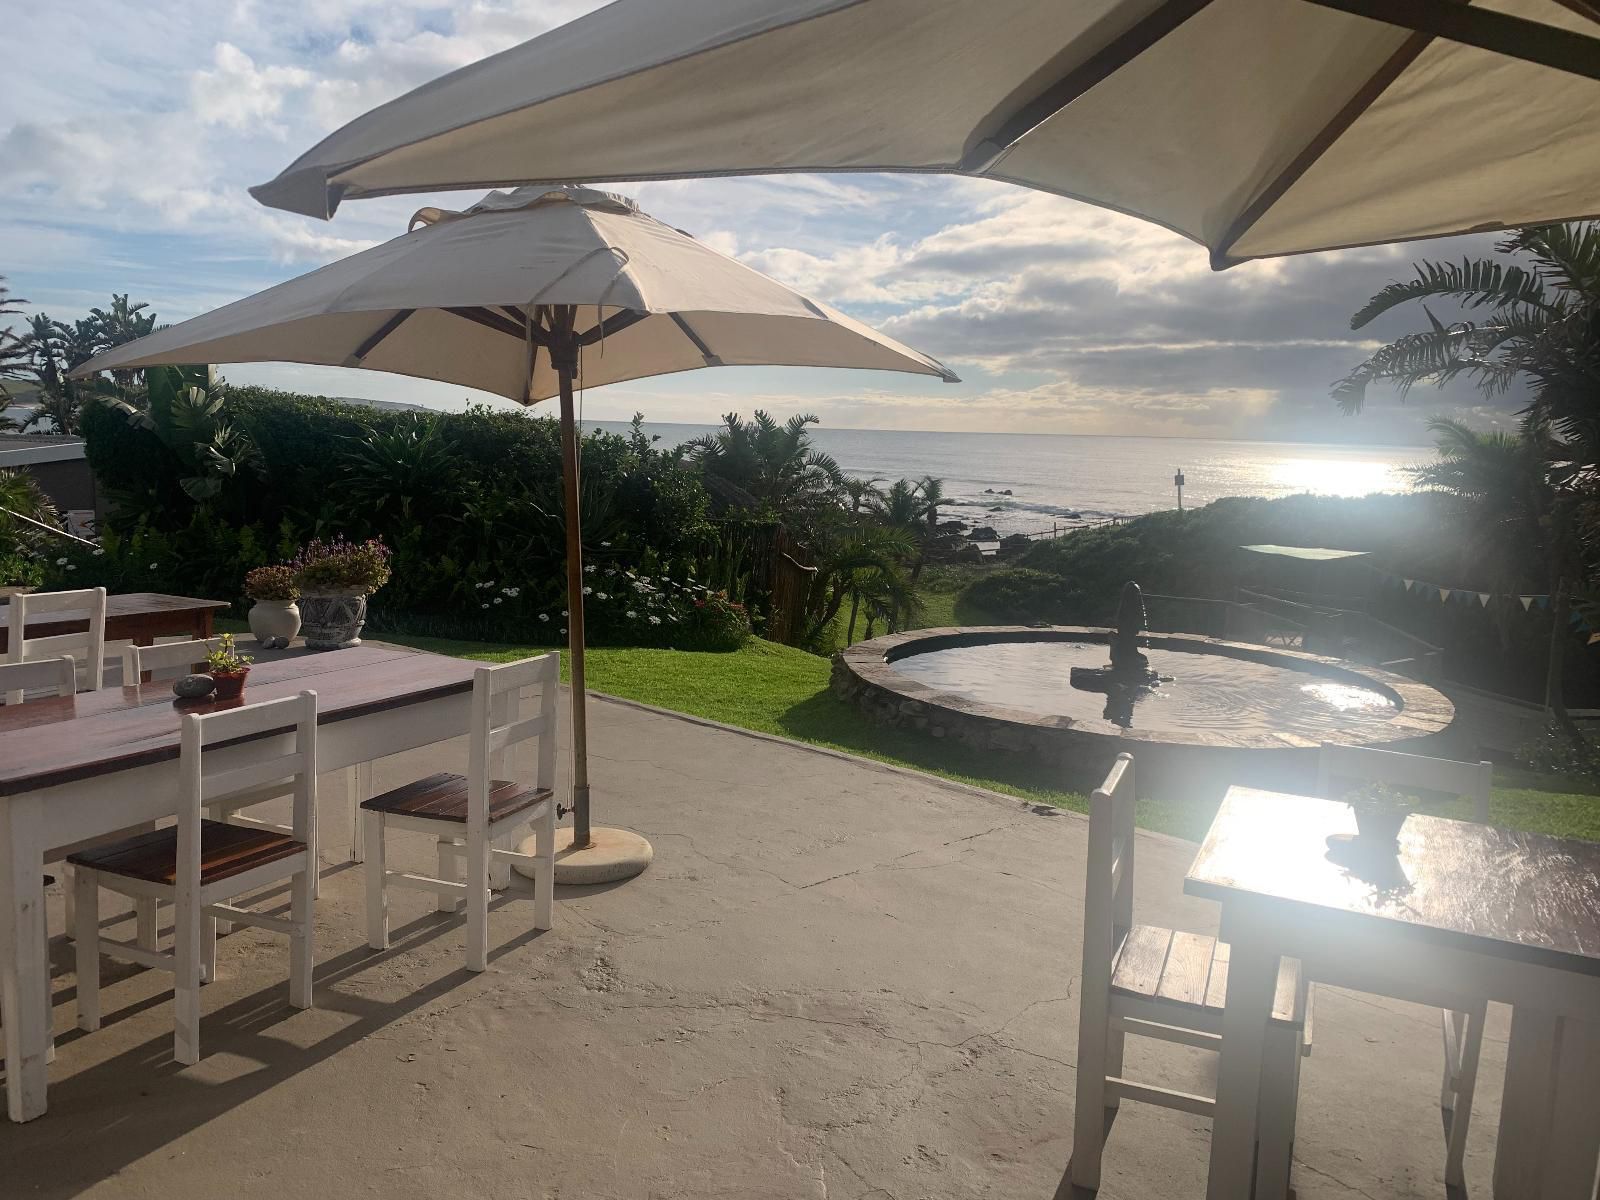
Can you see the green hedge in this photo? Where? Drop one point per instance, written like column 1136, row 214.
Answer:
column 468, row 502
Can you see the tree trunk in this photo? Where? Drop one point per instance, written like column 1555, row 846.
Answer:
column 1560, row 631
column 855, row 604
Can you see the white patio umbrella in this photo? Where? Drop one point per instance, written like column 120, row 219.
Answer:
column 1255, row 127
column 525, row 294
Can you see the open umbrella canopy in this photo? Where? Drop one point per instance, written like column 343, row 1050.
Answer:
column 451, row 299
column 1255, row 127
column 526, row 294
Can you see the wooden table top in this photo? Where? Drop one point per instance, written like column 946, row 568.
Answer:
column 1525, row 896
column 127, row 604
column 44, row 743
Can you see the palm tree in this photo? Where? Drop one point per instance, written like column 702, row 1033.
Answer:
column 774, row 463
column 23, row 508
column 865, row 559
column 932, row 489
column 1543, row 329
column 862, row 494
column 15, row 352
column 1501, row 485
column 118, row 325
column 55, row 349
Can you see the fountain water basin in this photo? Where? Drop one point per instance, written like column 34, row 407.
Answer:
column 1202, row 712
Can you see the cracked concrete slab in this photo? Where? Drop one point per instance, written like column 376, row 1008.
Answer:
column 837, row 980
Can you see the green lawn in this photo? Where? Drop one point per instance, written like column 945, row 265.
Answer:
column 776, row 689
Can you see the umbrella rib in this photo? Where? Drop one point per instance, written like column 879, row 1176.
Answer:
column 1367, row 95
column 1517, row 37
column 611, row 326
column 1099, row 66
column 705, row 351
column 383, row 331
column 488, row 319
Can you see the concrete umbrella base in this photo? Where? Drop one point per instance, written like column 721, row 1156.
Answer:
column 612, row 854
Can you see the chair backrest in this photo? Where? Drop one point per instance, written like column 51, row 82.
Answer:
column 167, row 656
column 499, row 722
column 254, row 737
column 1340, row 769
column 44, row 676
column 88, row 647
column 1108, row 890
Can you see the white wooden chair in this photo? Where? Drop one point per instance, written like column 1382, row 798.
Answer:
column 180, row 658
column 87, row 648
column 1343, row 768
column 469, row 814
column 1165, row 984
column 199, row 865
column 39, row 679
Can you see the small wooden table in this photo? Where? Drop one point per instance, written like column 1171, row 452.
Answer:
column 1467, row 911
column 79, row 767
column 138, row 617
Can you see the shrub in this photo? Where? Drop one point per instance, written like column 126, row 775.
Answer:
column 1022, row 596
column 338, row 565
column 717, row 624
column 272, row 583
column 1555, row 752
column 18, row 568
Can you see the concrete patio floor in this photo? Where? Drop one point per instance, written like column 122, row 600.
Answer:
column 838, row 980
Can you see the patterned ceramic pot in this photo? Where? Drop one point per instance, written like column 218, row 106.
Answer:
column 333, row 620
column 275, row 622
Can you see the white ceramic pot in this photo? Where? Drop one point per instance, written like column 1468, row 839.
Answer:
column 333, row 620
column 275, row 622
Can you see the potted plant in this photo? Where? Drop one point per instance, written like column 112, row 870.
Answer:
column 228, row 667
column 1380, row 812
column 335, row 578
column 274, row 617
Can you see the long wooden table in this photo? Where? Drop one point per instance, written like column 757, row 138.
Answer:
column 93, row 764
column 138, row 617
column 1466, row 911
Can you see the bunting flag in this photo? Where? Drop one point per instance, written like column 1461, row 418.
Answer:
column 1527, row 602
column 1444, row 594
column 1484, row 598
column 1408, row 583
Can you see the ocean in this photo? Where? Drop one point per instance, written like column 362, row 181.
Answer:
column 1068, row 479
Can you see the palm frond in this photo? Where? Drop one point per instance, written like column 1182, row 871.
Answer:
column 1471, row 283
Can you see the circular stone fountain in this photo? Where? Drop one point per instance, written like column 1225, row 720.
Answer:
column 1198, row 712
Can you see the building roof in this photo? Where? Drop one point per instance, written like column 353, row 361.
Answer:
column 1306, row 553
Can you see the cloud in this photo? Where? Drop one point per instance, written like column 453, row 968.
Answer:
column 237, row 93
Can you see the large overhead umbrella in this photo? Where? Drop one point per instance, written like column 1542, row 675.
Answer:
column 1255, row 127
column 525, row 294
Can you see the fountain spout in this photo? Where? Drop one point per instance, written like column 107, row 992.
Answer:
column 1131, row 622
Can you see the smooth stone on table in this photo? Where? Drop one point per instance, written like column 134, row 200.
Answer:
column 611, row 854
column 192, row 687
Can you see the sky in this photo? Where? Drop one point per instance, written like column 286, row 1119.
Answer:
column 129, row 133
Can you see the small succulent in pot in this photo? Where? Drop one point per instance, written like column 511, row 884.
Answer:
column 1380, row 812
column 228, row 667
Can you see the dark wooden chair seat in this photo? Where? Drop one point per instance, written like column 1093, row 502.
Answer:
column 443, row 797
column 1191, row 970
column 225, row 851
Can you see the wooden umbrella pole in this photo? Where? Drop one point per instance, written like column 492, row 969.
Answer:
column 564, row 358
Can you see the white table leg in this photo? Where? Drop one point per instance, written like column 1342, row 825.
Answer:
column 1252, row 978
column 25, row 961
column 1572, row 1150
column 358, row 782
column 1525, row 1106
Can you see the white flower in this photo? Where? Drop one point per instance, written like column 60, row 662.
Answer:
column 483, row 606
column 644, row 579
column 512, row 592
column 61, row 562
column 588, row 591
column 655, row 620
column 605, row 543
column 563, row 631
column 70, row 567
column 601, row 596
column 497, row 600
column 152, row 566
column 564, row 612
column 589, row 570
column 632, row 616
column 98, row 552
column 544, row 616
column 630, row 575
